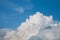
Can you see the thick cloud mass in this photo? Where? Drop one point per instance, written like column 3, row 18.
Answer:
column 37, row 27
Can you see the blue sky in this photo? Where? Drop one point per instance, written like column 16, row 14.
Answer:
column 14, row 12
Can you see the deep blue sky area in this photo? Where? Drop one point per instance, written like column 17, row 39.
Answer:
column 14, row 12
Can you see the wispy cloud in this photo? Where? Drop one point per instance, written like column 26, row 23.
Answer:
column 19, row 6
column 20, row 10
column 35, row 29
column 24, row 6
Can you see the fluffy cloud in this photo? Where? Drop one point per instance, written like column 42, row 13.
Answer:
column 37, row 27
column 3, row 33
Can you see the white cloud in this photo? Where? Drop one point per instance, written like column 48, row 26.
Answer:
column 3, row 33
column 35, row 28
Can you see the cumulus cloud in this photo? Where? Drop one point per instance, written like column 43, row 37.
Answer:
column 37, row 27
column 3, row 33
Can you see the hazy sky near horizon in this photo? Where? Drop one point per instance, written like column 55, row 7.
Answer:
column 14, row 12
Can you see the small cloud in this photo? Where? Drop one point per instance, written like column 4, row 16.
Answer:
column 20, row 10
